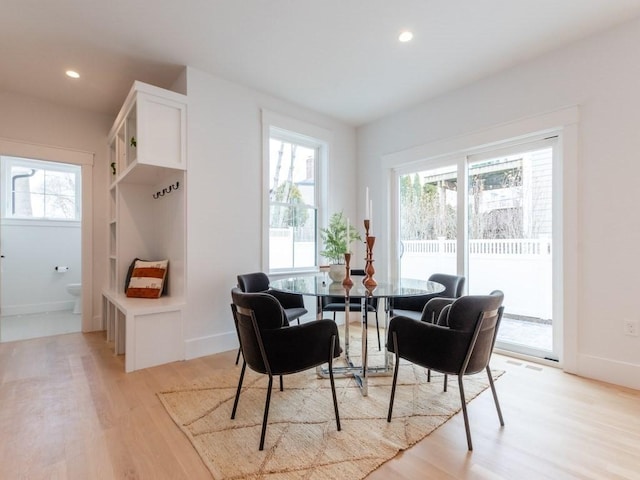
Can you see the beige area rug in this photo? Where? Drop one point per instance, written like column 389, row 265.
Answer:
column 301, row 440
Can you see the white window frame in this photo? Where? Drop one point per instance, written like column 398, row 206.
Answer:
column 7, row 198
column 307, row 134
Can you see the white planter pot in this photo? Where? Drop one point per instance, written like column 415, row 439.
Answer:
column 337, row 272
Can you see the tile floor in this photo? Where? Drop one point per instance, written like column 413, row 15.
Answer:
column 22, row 327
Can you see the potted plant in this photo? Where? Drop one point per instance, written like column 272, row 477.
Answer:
column 337, row 239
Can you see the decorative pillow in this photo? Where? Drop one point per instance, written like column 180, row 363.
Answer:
column 129, row 273
column 147, row 279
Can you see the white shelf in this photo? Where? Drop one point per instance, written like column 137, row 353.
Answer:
column 147, row 331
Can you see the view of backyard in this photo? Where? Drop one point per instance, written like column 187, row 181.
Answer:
column 507, row 208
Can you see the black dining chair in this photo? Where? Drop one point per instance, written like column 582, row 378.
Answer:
column 459, row 343
column 336, row 304
column 258, row 282
column 272, row 347
column 412, row 306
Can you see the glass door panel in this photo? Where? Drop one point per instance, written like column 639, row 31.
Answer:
column 428, row 222
column 509, row 243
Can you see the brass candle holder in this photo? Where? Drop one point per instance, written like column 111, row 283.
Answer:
column 370, row 240
column 347, row 282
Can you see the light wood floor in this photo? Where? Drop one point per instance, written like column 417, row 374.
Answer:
column 68, row 410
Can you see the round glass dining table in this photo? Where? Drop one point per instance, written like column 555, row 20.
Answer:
column 319, row 285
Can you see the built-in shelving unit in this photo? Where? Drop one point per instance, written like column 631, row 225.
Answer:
column 147, row 152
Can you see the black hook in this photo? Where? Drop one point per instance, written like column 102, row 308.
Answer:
column 166, row 190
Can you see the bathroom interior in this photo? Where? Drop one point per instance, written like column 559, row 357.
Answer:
column 40, row 241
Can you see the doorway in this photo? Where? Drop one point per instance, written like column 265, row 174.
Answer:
column 489, row 216
column 41, row 241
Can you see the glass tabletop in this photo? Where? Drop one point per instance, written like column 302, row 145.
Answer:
column 320, row 285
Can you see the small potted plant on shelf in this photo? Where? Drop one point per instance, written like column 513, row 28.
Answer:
column 337, row 239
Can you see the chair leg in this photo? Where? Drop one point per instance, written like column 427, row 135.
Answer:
column 235, row 402
column 266, row 413
column 495, row 395
column 464, row 412
column 281, row 385
column 378, row 331
column 428, row 374
column 238, row 355
column 333, row 385
column 395, row 377
column 446, row 381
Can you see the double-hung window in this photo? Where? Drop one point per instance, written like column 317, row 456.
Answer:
column 295, row 159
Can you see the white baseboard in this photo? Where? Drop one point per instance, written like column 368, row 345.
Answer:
column 209, row 345
column 610, row 371
column 32, row 308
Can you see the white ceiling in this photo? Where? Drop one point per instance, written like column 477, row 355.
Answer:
column 338, row 57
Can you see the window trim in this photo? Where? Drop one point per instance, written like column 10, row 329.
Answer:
column 6, row 202
column 311, row 136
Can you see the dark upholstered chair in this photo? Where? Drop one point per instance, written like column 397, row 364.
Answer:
column 258, row 282
column 337, row 304
column 459, row 343
column 272, row 347
column 412, row 306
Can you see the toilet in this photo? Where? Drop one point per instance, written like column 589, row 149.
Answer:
column 75, row 289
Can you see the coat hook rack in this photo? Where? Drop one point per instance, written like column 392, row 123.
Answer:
column 166, row 190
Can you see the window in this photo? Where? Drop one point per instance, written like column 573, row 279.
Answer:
column 295, row 159
column 41, row 190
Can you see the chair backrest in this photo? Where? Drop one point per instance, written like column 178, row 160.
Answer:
column 453, row 284
column 476, row 318
column 254, row 313
column 253, row 282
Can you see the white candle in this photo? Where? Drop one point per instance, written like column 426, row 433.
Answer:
column 370, row 215
column 348, row 242
column 366, row 204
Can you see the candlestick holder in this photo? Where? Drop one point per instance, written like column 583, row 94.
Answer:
column 370, row 240
column 347, row 282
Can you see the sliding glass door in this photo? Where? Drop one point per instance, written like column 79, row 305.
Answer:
column 495, row 227
column 428, row 222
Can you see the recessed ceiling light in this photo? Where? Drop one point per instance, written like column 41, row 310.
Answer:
column 405, row 36
column 72, row 74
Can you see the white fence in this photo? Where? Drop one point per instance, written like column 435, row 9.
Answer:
column 520, row 268
column 285, row 252
column 480, row 247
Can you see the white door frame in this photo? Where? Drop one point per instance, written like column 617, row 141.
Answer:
column 17, row 148
column 564, row 124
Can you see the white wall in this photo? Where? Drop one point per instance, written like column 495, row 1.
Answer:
column 600, row 75
column 224, row 197
column 33, row 121
column 30, row 282
column 223, row 187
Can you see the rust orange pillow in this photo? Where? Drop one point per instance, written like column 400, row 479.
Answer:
column 147, row 279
